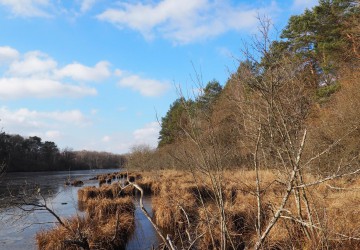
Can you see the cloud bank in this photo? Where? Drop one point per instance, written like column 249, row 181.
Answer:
column 36, row 75
column 183, row 21
column 146, row 87
column 27, row 8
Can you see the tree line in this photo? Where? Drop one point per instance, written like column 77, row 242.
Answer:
column 291, row 111
column 311, row 71
column 18, row 153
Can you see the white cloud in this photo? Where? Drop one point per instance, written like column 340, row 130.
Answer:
column 121, row 142
column 183, row 21
column 15, row 87
column 52, row 135
column 34, row 63
column 106, row 138
column 27, row 8
column 148, row 134
column 118, row 72
column 37, row 75
column 81, row 72
column 146, row 87
column 8, row 55
column 20, row 120
column 86, row 5
column 301, row 5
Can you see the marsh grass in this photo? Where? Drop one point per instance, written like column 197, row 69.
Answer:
column 183, row 205
column 108, row 222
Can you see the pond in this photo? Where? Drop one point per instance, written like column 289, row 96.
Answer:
column 18, row 230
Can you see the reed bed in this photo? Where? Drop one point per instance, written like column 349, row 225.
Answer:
column 101, row 209
column 182, row 201
column 111, row 233
column 108, row 222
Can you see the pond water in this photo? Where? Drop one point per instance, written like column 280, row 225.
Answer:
column 18, row 229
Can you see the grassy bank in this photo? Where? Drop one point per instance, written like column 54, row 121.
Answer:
column 186, row 206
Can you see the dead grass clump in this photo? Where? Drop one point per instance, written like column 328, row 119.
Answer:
column 175, row 204
column 209, row 227
column 343, row 218
column 112, row 233
column 122, row 230
column 77, row 183
column 82, row 206
column 106, row 192
column 146, row 183
column 115, row 188
column 202, row 193
column 170, row 211
column 102, row 181
column 102, row 209
column 163, row 213
column 87, row 193
column 177, row 199
column 60, row 236
column 128, row 191
column 286, row 234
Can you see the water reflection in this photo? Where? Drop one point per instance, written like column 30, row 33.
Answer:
column 144, row 236
column 17, row 229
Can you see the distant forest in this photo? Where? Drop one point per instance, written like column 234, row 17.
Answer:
column 18, row 153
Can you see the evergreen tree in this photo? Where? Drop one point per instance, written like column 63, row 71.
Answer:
column 174, row 121
column 209, row 95
column 321, row 36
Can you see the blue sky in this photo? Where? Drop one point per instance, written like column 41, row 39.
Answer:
column 95, row 74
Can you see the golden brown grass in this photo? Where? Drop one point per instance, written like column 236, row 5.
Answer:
column 335, row 211
column 99, row 234
column 101, row 209
column 108, row 223
column 183, row 201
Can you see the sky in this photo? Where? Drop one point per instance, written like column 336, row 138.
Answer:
column 100, row 74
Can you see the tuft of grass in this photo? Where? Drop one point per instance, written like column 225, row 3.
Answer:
column 335, row 210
